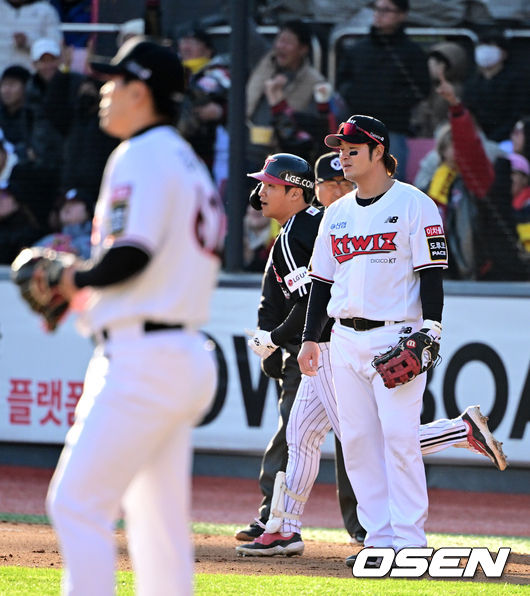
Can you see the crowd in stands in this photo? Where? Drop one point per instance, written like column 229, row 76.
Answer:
column 469, row 105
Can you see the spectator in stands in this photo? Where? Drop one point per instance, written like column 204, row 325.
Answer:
column 475, row 199
column 451, row 60
column 18, row 226
column 15, row 117
column 74, row 220
column 204, row 111
column 46, row 143
column 21, row 23
column 385, row 75
column 521, row 197
column 258, row 237
column 290, row 105
column 497, row 93
column 520, row 138
column 86, row 146
column 75, row 42
column 8, row 158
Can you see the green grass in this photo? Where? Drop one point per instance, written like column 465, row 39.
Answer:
column 46, row 582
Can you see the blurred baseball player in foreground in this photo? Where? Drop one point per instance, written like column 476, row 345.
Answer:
column 377, row 270
column 158, row 227
column 314, row 411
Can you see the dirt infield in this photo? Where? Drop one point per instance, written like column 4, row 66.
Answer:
column 30, row 545
column 22, row 491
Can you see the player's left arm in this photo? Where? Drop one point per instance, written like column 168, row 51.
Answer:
column 429, row 259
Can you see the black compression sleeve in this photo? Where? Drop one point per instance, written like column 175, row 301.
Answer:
column 432, row 293
column 118, row 264
column 292, row 326
column 317, row 316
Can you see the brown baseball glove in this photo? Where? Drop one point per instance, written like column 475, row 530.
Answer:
column 412, row 356
column 37, row 271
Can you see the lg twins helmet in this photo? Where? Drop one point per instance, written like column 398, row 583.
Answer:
column 285, row 169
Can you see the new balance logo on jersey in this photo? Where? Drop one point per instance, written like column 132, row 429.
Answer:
column 391, row 219
column 347, row 247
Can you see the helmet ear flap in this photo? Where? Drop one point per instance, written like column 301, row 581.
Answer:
column 254, row 199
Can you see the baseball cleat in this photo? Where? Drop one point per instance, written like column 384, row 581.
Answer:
column 358, row 538
column 251, row 532
column 480, row 439
column 371, row 562
column 268, row 545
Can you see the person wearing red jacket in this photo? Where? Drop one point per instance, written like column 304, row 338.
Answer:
column 474, row 196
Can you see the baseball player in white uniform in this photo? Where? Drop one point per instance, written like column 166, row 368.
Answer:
column 158, row 227
column 377, row 267
column 314, row 413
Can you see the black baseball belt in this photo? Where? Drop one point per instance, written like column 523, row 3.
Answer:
column 147, row 327
column 360, row 324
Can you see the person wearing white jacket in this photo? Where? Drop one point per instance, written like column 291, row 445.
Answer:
column 21, row 23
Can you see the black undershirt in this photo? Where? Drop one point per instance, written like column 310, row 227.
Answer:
column 367, row 202
column 117, row 265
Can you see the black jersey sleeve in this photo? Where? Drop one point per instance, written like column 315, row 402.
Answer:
column 432, row 293
column 292, row 252
column 317, row 316
column 118, row 264
column 289, row 331
column 272, row 308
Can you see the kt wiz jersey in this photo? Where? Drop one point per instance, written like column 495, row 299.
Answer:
column 372, row 255
column 158, row 196
column 292, row 251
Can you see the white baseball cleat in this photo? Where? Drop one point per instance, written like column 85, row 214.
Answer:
column 479, row 437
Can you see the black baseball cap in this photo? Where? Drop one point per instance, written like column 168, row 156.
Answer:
column 159, row 67
column 360, row 129
column 327, row 167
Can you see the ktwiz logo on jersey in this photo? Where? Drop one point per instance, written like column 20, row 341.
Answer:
column 347, row 247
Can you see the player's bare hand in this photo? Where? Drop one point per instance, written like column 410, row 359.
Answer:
column 308, row 358
column 66, row 284
column 275, row 89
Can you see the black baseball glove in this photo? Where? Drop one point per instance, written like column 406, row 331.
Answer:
column 37, row 271
column 272, row 366
column 412, row 356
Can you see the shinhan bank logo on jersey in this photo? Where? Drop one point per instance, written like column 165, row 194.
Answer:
column 347, row 247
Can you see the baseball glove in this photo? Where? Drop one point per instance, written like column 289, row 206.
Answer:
column 412, row 356
column 272, row 366
column 37, row 271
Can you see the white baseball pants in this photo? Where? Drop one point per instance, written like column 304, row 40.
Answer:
column 130, row 448
column 379, row 429
column 314, row 414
